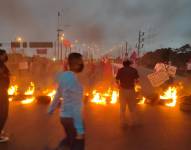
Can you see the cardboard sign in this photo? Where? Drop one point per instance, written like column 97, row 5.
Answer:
column 23, row 65
column 160, row 67
column 158, row 78
column 171, row 70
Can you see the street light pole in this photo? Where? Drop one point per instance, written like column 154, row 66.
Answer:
column 20, row 41
column 61, row 45
column 140, row 43
column 126, row 49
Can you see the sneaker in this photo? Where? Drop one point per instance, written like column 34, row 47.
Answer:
column 4, row 139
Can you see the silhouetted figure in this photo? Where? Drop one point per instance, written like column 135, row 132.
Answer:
column 4, row 101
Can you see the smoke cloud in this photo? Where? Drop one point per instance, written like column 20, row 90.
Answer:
column 106, row 22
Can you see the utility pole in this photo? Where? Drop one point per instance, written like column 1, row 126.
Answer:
column 140, row 43
column 59, row 30
column 58, row 42
column 60, row 33
column 121, row 55
column 61, row 49
column 126, row 51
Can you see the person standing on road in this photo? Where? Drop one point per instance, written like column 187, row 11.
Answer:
column 70, row 94
column 126, row 77
column 4, row 102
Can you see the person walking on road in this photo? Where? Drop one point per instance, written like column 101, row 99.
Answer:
column 126, row 78
column 70, row 94
column 4, row 102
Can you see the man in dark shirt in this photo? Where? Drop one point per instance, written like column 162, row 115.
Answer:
column 127, row 77
column 4, row 85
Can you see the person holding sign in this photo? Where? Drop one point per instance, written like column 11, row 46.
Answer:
column 168, row 69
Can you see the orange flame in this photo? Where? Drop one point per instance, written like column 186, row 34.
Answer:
column 29, row 91
column 170, row 93
column 114, row 97
column 28, row 101
column 142, row 101
column 137, row 88
column 98, row 99
column 101, row 98
column 13, row 90
column 52, row 94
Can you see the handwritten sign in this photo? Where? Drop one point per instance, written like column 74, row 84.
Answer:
column 158, row 78
column 171, row 70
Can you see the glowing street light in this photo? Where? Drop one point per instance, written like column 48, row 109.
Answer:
column 19, row 39
column 21, row 43
column 62, row 38
column 54, row 59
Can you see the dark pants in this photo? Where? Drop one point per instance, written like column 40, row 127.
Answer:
column 4, row 108
column 71, row 133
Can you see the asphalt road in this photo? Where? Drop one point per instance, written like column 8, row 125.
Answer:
column 163, row 128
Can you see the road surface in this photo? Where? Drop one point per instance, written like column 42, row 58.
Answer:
column 163, row 128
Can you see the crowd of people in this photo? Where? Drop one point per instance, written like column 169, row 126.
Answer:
column 69, row 95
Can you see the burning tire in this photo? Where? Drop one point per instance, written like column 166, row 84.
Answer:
column 43, row 99
column 185, row 105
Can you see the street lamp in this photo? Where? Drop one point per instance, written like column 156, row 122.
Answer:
column 62, row 35
column 20, row 41
column 62, row 39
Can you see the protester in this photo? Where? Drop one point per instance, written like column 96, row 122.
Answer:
column 70, row 94
column 91, row 75
column 107, row 73
column 4, row 102
column 164, row 66
column 126, row 78
column 171, row 77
